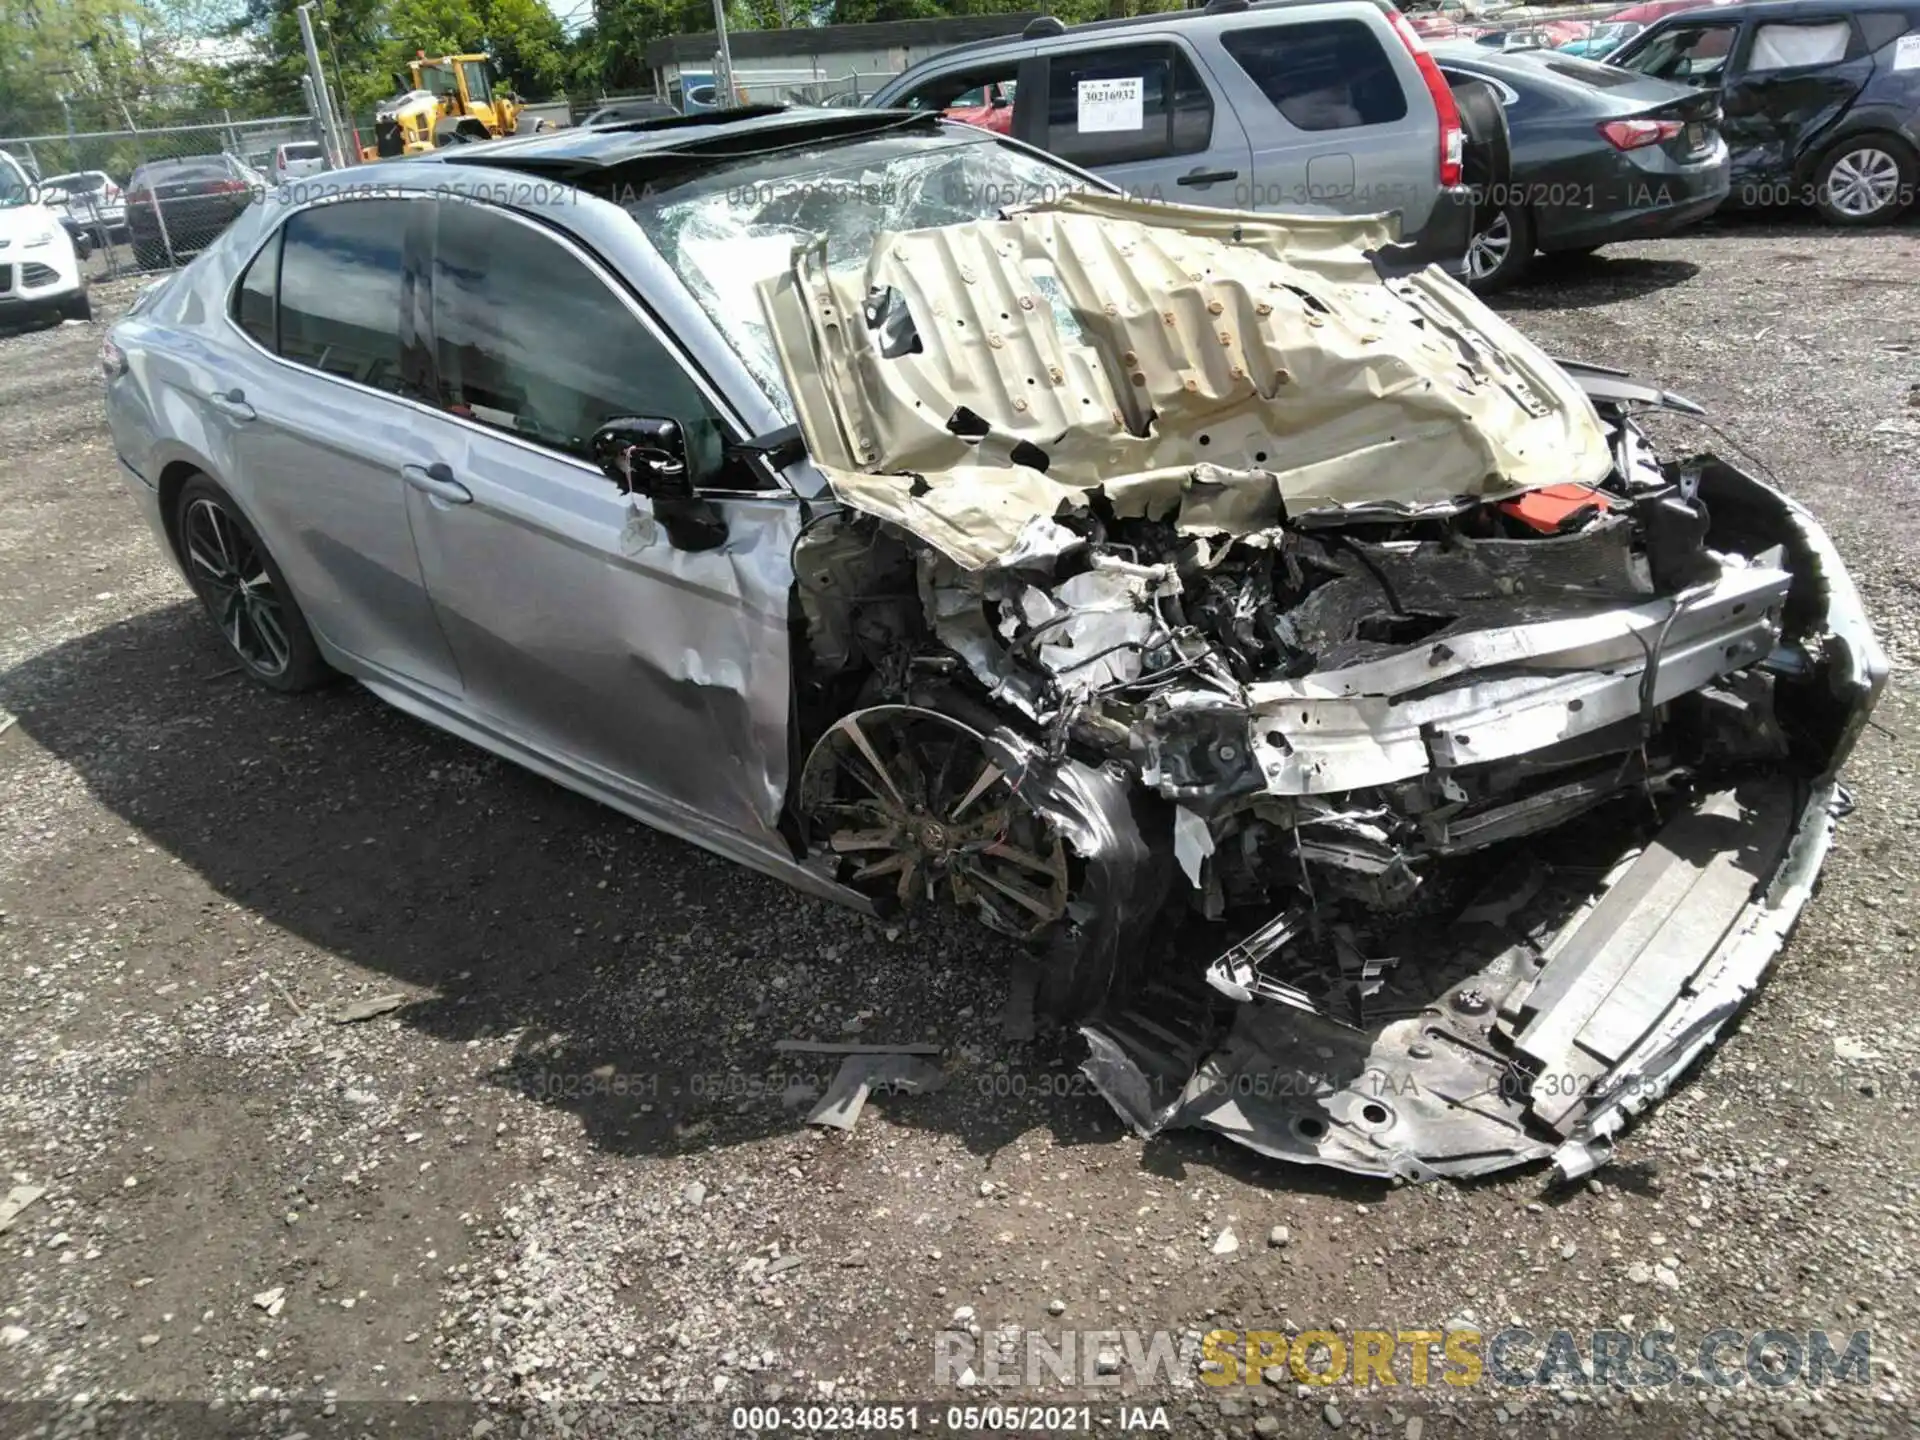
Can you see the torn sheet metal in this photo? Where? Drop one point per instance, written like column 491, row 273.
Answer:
column 1224, row 370
column 860, row 1075
column 1516, row 1050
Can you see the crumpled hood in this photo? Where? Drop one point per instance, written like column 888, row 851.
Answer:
column 1223, row 369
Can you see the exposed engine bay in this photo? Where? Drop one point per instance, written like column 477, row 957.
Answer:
column 1422, row 829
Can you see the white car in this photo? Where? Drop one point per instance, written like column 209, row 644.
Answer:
column 296, row 158
column 92, row 200
column 38, row 268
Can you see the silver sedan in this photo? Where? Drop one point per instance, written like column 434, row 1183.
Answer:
column 877, row 502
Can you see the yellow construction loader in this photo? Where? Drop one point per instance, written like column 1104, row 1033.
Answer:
column 444, row 101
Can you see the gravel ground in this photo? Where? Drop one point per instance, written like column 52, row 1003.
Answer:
column 566, row 1167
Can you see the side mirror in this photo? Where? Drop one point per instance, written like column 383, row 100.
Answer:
column 648, row 457
column 643, row 456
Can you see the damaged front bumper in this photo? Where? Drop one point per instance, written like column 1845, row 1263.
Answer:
column 1551, row 1011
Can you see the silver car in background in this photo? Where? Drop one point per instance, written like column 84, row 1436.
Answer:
column 1395, row 761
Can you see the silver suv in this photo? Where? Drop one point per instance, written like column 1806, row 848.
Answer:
column 1293, row 105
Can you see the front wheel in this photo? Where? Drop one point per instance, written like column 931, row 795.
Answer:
column 1865, row 180
column 77, row 306
column 1498, row 255
column 243, row 591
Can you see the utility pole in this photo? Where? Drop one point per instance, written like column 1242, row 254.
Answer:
column 346, row 122
column 336, row 148
column 723, row 82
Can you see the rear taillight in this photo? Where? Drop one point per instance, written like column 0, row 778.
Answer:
column 113, row 360
column 1638, row 134
column 1453, row 140
column 227, row 187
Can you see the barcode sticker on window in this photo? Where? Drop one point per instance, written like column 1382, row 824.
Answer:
column 1906, row 53
column 1107, row 105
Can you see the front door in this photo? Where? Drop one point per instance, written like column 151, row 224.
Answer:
column 1142, row 115
column 578, row 627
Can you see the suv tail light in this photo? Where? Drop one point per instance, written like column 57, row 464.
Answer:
column 1453, row 140
column 1638, row 134
column 227, row 187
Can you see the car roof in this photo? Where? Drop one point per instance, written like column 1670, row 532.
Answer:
column 676, row 142
column 1039, row 29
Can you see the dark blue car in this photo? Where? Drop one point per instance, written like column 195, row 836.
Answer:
column 1820, row 101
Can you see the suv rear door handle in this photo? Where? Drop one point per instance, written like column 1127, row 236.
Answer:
column 231, row 403
column 437, row 480
column 1207, row 177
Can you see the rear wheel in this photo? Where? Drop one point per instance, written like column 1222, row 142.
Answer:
column 243, row 591
column 1865, row 180
column 1498, row 255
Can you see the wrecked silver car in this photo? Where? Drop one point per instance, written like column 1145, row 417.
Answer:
column 1393, row 758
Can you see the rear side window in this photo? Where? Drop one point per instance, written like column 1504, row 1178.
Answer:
column 1328, row 75
column 340, row 289
column 253, row 301
column 1140, row 102
column 1881, row 27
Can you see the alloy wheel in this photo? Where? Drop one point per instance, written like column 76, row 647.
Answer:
column 915, row 809
column 1489, row 250
column 1863, row 182
column 231, row 575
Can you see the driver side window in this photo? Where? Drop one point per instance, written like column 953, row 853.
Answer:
column 530, row 340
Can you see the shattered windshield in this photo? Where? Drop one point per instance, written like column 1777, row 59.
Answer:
column 726, row 232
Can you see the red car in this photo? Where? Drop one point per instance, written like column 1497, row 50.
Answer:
column 989, row 106
column 1652, row 10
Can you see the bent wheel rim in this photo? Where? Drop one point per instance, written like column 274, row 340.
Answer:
column 914, row 810
column 1863, row 182
column 230, row 573
column 1488, row 250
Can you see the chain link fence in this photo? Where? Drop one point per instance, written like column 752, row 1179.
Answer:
column 149, row 198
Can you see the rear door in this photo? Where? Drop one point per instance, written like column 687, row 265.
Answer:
column 319, row 419
column 1789, row 81
column 1148, row 116
column 1332, row 124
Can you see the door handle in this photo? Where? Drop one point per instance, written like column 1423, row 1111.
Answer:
column 231, row 403
column 437, row 480
column 1207, row 177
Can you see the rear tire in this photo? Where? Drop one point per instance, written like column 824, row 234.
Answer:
column 243, row 591
column 1501, row 252
column 1865, row 180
